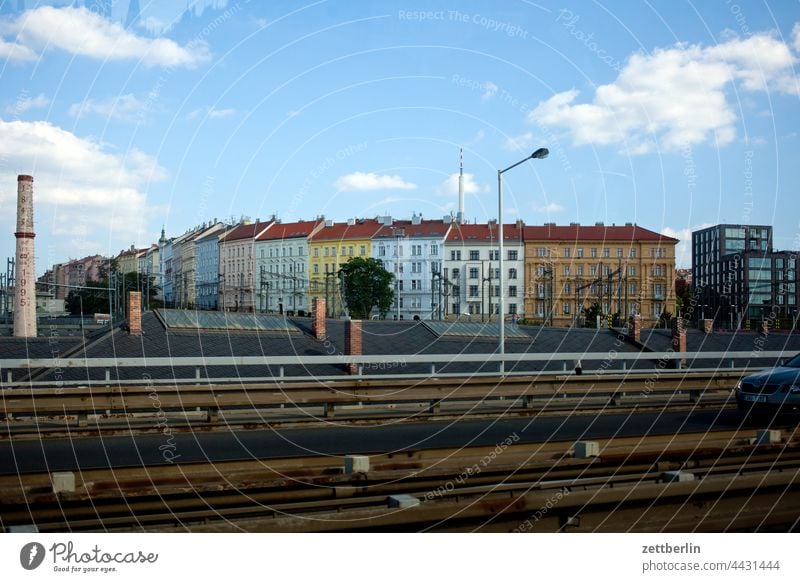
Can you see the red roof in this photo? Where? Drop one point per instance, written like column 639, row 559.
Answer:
column 483, row 233
column 282, row 231
column 245, row 231
column 363, row 228
column 576, row 232
column 426, row 228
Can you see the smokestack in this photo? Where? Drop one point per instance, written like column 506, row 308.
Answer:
column 460, row 215
column 25, row 288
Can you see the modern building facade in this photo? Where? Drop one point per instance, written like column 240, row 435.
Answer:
column 740, row 280
column 623, row 270
column 472, row 270
column 413, row 250
column 282, row 267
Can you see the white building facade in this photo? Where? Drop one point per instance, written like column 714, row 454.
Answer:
column 472, row 271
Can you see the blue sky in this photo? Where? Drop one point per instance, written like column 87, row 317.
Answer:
column 672, row 115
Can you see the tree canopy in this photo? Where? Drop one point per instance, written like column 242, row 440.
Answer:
column 366, row 284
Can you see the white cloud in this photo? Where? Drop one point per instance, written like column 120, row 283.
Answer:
column 683, row 251
column 215, row 113
column 796, row 36
column 489, row 91
column 15, row 52
column 126, row 107
column 674, row 96
column 360, row 181
column 550, row 208
column 521, row 142
column 86, row 192
column 210, row 113
column 23, row 104
column 450, row 186
column 79, row 31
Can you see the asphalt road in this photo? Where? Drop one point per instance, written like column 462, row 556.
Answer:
column 26, row 456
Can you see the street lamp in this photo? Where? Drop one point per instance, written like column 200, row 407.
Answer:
column 539, row 154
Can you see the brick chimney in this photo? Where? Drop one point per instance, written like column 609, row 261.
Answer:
column 352, row 342
column 318, row 318
column 679, row 340
column 135, row 313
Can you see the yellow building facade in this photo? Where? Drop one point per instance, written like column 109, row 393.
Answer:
column 623, row 270
column 328, row 249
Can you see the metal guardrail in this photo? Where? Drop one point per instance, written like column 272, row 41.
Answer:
column 661, row 361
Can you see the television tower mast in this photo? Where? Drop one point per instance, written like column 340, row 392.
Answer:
column 460, row 215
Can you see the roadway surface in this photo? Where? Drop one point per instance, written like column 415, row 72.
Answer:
column 65, row 454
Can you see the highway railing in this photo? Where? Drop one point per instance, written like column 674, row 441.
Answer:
column 211, row 397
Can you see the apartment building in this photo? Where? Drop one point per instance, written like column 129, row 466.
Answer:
column 237, row 266
column 413, row 250
column 330, row 247
column 472, row 270
column 624, row 270
column 282, row 279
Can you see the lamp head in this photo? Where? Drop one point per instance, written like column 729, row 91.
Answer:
column 540, row 154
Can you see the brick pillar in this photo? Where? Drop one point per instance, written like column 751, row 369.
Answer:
column 708, row 326
column 135, row 313
column 679, row 340
column 352, row 342
column 318, row 318
column 635, row 328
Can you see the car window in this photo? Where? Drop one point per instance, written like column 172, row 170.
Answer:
column 794, row 362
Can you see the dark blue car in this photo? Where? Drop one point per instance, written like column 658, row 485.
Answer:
column 772, row 391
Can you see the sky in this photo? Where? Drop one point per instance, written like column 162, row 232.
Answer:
column 672, row 115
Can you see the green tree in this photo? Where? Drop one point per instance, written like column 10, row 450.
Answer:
column 99, row 296
column 366, row 284
column 683, row 296
column 590, row 314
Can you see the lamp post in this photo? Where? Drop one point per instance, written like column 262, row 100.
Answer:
column 539, row 154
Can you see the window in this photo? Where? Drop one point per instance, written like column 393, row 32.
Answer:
column 606, row 270
column 512, row 291
column 456, row 274
column 566, row 270
column 473, row 290
column 349, row 251
column 541, row 252
column 473, row 273
column 457, row 308
column 512, row 255
column 316, row 251
column 434, row 249
column 512, row 308
column 566, row 308
column 316, row 269
column 399, row 284
column 606, row 253
column 658, row 291
column 416, row 267
column 632, row 270
column 593, row 270
column 632, row 253
column 363, row 250
column 594, row 253
column 381, row 251
column 494, row 255
column 414, row 285
column 658, row 271
column 416, row 250
column 566, row 252
column 327, row 252
column 474, row 255
column 580, row 271
column 567, row 288
column 579, row 253
column 619, row 253
column 496, row 291
column 455, row 255
column 512, row 273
